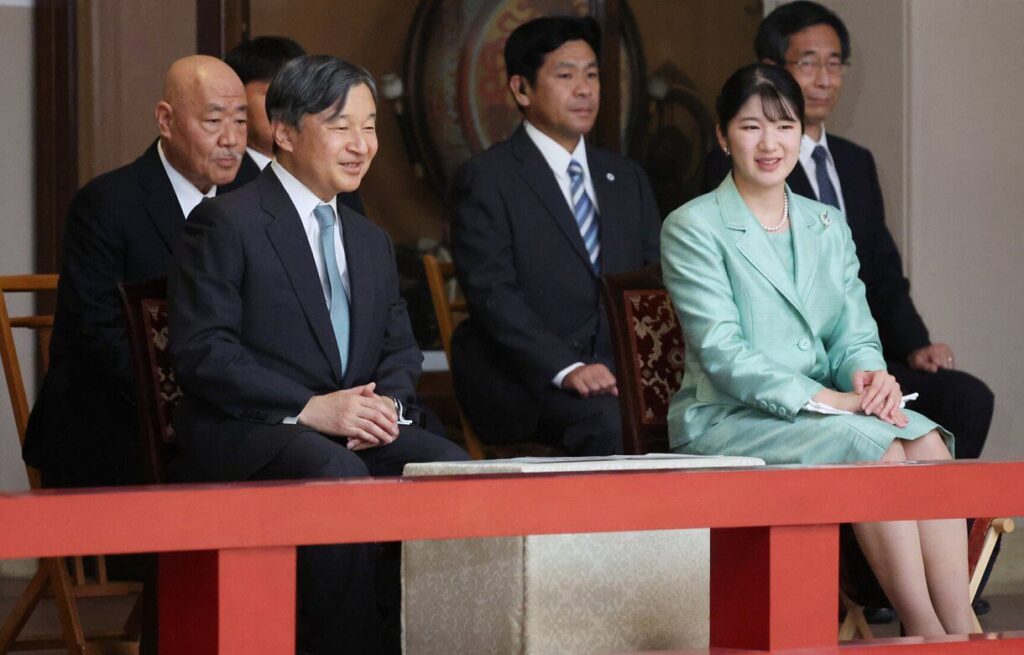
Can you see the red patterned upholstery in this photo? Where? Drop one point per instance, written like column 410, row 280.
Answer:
column 657, row 351
column 649, row 349
column 154, row 316
column 145, row 311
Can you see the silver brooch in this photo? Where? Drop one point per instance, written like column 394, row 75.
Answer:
column 610, row 177
column 826, row 220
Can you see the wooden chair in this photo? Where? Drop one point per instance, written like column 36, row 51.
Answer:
column 649, row 353
column 53, row 578
column 450, row 308
column 145, row 312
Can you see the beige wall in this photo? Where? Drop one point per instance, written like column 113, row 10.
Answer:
column 16, row 210
column 16, row 203
column 965, row 224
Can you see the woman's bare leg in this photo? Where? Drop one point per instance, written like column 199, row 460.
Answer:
column 894, row 551
column 944, row 550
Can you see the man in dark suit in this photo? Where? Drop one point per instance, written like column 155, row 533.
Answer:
column 123, row 226
column 256, row 62
column 814, row 45
column 290, row 339
column 540, row 218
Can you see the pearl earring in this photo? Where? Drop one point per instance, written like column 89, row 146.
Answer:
column 726, row 151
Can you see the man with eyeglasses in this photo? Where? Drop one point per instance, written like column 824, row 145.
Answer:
column 813, row 44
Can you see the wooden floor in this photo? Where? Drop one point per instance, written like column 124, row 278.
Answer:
column 1005, row 592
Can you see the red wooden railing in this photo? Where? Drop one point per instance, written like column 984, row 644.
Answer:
column 227, row 563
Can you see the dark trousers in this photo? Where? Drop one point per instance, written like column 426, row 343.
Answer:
column 956, row 400
column 582, row 427
column 337, row 599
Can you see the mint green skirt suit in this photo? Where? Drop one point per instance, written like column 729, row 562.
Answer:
column 765, row 333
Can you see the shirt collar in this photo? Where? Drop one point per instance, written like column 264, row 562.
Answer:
column 305, row 201
column 555, row 155
column 258, row 157
column 807, row 145
column 187, row 194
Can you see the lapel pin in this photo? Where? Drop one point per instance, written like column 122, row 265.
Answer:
column 826, row 220
column 610, row 177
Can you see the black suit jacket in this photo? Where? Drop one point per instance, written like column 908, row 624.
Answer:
column 534, row 301
column 251, row 337
column 900, row 327
column 122, row 226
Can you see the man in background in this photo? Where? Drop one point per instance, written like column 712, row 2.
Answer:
column 123, row 226
column 540, row 218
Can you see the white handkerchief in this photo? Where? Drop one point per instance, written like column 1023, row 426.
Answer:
column 822, row 408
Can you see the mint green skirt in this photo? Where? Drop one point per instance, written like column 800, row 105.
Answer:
column 810, row 439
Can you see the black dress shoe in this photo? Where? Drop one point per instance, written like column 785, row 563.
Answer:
column 981, row 607
column 879, row 615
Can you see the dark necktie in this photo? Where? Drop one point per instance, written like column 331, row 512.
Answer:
column 339, row 300
column 826, row 192
column 586, row 215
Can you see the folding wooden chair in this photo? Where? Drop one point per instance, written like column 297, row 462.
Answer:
column 450, row 307
column 53, row 578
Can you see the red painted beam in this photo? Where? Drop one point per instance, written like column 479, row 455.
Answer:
column 209, row 517
column 228, row 602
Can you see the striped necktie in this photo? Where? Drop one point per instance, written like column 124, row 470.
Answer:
column 586, row 215
column 339, row 308
column 826, row 192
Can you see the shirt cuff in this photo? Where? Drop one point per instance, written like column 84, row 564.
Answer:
column 558, row 379
column 290, row 420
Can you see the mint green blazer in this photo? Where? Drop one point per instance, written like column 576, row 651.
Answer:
column 760, row 344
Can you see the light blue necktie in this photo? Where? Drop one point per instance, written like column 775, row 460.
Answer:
column 339, row 300
column 586, row 215
column 826, row 192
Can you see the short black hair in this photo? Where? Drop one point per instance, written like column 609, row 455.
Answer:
column 530, row 43
column 312, row 83
column 772, row 40
column 259, row 60
column 781, row 97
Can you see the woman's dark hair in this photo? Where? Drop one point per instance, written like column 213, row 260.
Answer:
column 311, row 84
column 772, row 39
column 781, row 97
column 530, row 43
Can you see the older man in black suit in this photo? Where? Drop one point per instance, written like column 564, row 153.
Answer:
column 290, row 339
column 540, row 218
column 123, row 226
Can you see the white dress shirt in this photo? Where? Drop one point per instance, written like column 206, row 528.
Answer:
column 305, row 202
column 258, row 157
column 187, row 194
column 807, row 146
column 558, row 159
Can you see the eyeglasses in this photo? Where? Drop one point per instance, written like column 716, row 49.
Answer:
column 808, row 67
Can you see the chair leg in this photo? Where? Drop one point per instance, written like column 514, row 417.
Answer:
column 23, row 609
column 67, row 607
column 854, row 625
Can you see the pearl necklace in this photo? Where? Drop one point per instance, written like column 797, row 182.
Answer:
column 785, row 216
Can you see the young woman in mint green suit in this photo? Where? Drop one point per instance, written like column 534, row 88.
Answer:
column 778, row 331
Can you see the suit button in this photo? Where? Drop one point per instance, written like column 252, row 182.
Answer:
column 762, row 404
column 772, row 408
column 804, row 344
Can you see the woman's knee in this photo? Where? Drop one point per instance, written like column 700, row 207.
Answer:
column 929, row 447
column 895, row 452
